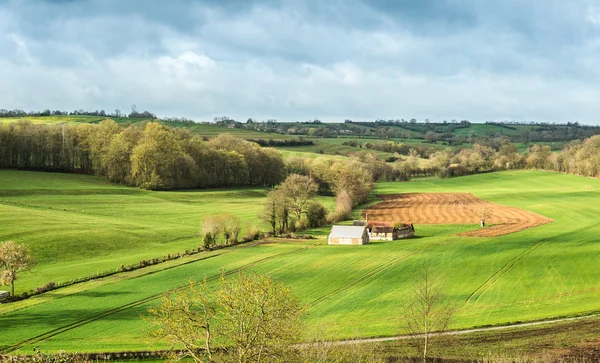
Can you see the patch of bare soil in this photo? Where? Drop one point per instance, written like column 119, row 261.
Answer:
column 454, row 208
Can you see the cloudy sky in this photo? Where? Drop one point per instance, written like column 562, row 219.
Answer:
column 297, row 60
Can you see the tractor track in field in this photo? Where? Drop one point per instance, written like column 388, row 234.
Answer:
column 133, row 304
column 487, row 284
column 369, row 275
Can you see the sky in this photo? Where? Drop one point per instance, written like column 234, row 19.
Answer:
column 480, row 60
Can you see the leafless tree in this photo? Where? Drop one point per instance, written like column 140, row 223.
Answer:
column 426, row 311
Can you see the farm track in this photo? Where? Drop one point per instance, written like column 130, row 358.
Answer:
column 454, row 208
column 487, row 284
column 463, row 332
column 133, row 304
column 366, row 277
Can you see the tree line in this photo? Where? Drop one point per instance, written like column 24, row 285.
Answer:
column 577, row 157
column 148, row 155
column 47, row 112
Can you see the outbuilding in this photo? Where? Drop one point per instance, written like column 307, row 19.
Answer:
column 348, row 235
column 385, row 231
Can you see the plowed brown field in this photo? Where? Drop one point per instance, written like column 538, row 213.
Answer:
column 453, row 208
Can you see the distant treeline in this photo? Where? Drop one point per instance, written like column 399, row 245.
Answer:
column 533, row 123
column 117, row 113
column 283, row 143
column 148, row 155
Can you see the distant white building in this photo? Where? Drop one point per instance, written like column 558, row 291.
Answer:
column 348, row 235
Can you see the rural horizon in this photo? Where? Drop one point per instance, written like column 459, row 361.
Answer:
column 118, row 112
column 215, row 181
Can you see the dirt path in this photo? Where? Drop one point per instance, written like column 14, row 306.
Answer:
column 454, row 208
column 462, row 332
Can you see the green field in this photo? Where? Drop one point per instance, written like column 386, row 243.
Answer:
column 80, row 225
column 548, row 271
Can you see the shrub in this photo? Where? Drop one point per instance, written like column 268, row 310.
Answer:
column 49, row 286
column 316, row 215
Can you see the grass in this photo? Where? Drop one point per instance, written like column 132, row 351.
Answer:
column 80, row 225
column 545, row 272
column 573, row 341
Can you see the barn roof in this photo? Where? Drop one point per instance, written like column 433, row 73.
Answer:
column 347, row 231
column 383, row 229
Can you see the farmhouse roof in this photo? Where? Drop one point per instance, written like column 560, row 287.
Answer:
column 347, row 231
column 386, row 227
column 383, row 229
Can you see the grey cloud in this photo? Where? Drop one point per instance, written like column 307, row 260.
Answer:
column 440, row 59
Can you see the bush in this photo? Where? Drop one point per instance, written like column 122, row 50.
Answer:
column 316, row 215
column 49, row 286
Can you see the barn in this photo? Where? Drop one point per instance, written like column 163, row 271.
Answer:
column 348, row 235
column 383, row 231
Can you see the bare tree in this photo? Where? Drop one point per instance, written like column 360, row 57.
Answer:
column 251, row 318
column 209, row 231
column 185, row 318
column 229, row 225
column 299, row 189
column 14, row 258
column 260, row 317
column 426, row 312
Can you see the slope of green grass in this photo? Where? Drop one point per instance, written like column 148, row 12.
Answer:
column 80, row 225
column 548, row 271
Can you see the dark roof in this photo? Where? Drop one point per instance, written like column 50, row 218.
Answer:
column 382, row 229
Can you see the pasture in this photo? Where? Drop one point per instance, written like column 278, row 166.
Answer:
column 78, row 225
column 548, row 271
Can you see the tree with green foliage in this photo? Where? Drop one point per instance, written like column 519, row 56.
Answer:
column 316, row 214
column 14, row 258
